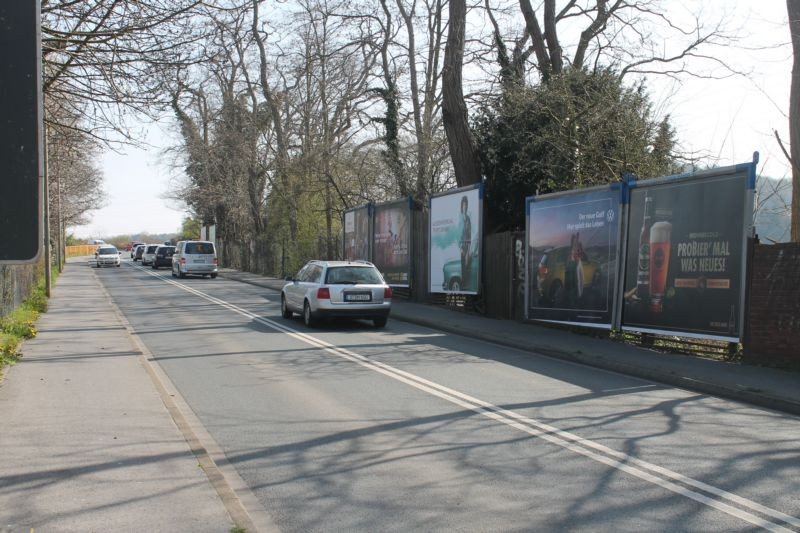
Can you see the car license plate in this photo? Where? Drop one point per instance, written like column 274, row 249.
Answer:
column 199, row 261
column 358, row 297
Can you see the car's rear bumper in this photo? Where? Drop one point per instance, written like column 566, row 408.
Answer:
column 198, row 269
column 329, row 310
column 352, row 313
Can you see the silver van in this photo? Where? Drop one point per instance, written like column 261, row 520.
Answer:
column 195, row 258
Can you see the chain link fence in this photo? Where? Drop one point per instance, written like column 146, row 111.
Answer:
column 16, row 284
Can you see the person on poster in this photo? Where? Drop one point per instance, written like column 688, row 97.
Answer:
column 573, row 274
column 465, row 243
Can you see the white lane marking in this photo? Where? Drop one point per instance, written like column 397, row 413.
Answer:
column 595, row 451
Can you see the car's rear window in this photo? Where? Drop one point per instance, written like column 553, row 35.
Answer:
column 199, row 248
column 107, row 251
column 151, row 249
column 352, row 274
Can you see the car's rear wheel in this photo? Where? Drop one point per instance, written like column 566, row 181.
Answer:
column 380, row 321
column 285, row 311
column 308, row 316
column 213, row 276
column 155, row 266
column 181, row 275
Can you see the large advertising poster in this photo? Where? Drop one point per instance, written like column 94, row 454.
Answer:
column 573, row 242
column 356, row 234
column 455, row 247
column 685, row 255
column 391, row 250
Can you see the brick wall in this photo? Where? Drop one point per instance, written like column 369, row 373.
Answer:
column 773, row 314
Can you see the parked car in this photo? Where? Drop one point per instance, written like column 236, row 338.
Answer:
column 196, row 258
column 136, row 253
column 132, row 246
column 551, row 280
column 337, row 289
column 163, row 256
column 149, row 254
column 107, row 256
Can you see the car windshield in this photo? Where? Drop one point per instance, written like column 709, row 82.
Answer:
column 107, row 251
column 199, row 248
column 350, row 275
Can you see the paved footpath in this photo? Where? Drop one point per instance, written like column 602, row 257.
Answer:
column 86, row 441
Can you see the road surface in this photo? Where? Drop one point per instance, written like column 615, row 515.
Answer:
column 350, row 428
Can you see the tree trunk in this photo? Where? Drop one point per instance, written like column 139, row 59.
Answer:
column 463, row 152
column 793, row 8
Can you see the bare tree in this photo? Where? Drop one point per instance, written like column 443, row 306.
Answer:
column 463, row 150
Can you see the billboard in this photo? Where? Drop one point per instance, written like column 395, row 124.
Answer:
column 391, row 242
column 455, row 241
column 357, row 234
column 572, row 250
column 21, row 142
column 686, row 260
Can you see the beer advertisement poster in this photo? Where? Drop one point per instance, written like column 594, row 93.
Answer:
column 573, row 242
column 356, row 234
column 455, row 247
column 683, row 271
column 391, row 250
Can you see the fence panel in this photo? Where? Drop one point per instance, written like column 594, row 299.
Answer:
column 498, row 275
column 80, row 250
column 16, row 283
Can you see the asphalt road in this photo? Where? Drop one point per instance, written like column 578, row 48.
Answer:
column 349, row 428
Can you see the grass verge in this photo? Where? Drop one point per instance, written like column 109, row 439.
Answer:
column 20, row 324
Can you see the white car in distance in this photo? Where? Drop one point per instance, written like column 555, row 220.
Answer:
column 106, row 256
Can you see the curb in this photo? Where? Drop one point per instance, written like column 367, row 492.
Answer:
column 758, row 399
column 241, row 505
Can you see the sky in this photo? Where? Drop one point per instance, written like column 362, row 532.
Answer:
column 724, row 119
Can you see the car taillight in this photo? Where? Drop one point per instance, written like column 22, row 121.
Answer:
column 387, row 293
column 216, row 262
column 542, row 271
column 323, row 293
column 183, row 260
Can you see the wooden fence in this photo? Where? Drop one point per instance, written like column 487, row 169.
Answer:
column 81, row 250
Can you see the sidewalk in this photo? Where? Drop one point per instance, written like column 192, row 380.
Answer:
column 87, row 443
column 764, row 387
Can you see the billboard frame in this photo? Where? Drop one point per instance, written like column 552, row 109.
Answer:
column 481, row 191
column 749, row 169
column 409, row 201
column 621, row 232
